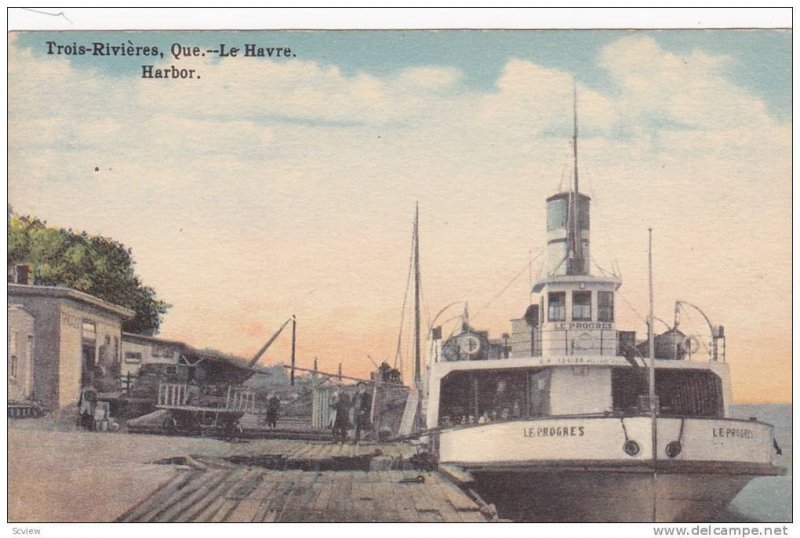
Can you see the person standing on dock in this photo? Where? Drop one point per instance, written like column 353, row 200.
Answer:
column 341, row 424
column 273, row 408
column 362, row 406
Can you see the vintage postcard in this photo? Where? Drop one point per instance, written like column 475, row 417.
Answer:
column 399, row 275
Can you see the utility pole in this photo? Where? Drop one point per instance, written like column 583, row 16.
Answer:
column 294, row 339
column 417, row 349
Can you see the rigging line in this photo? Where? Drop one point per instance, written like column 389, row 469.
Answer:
column 631, row 307
column 599, row 208
column 425, row 305
column 602, row 271
column 519, row 274
column 403, row 311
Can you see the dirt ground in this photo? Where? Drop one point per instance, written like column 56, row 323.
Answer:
column 57, row 474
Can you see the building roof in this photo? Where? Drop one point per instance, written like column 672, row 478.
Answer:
column 208, row 354
column 14, row 306
column 68, row 293
column 151, row 339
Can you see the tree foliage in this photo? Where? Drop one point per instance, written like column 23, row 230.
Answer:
column 92, row 264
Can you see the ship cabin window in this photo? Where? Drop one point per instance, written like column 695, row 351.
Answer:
column 688, row 393
column 557, row 214
column 605, row 306
column 556, row 306
column 581, row 306
column 477, row 397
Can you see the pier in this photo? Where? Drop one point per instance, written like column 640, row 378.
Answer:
column 156, row 478
column 306, row 481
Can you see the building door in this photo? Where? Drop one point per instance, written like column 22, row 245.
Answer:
column 29, row 367
column 88, row 352
column 87, row 363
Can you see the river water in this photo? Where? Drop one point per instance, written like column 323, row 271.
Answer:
column 767, row 499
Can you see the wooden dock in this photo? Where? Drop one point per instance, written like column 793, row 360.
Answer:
column 301, row 481
column 249, row 494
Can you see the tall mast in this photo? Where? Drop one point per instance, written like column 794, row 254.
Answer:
column 575, row 133
column 416, row 300
column 294, row 340
column 575, row 247
column 650, row 338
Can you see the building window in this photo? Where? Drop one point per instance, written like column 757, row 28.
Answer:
column 133, row 357
column 88, row 331
column 605, row 306
column 172, row 370
column 30, row 349
column 13, row 342
column 162, row 352
column 556, row 306
column 582, row 306
column 12, row 367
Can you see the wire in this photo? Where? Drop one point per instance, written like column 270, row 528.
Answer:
column 398, row 354
column 631, row 307
column 519, row 274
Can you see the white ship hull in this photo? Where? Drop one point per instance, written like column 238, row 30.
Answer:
column 575, row 468
column 595, row 495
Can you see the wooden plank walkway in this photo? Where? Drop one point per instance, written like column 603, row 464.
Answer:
column 255, row 494
column 308, row 455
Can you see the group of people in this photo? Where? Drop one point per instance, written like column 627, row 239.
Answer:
column 343, row 406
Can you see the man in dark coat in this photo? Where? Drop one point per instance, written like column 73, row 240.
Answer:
column 273, row 408
column 362, row 405
column 342, row 423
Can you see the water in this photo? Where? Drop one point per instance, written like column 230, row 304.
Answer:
column 767, row 499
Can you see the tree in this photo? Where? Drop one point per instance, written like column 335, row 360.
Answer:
column 92, row 264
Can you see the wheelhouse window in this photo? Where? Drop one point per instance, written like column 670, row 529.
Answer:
column 556, row 214
column 556, row 306
column 582, row 306
column 605, row 306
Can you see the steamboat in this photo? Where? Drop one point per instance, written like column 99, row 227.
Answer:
column 569, row 419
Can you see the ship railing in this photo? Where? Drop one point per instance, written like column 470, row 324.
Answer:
column 566, row 342
column 608, row 342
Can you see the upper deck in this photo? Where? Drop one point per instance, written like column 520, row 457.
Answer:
column 480, row 391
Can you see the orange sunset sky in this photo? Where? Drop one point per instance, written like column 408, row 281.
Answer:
column 275, row 187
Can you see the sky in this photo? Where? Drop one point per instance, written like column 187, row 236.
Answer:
column 271, row 187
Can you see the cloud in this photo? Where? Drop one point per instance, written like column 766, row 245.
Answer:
column 264, row 180
column 689, row 90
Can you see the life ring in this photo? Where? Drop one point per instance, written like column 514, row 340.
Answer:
column 673, row 449
column 583, row 341
column 693, row 344
column 631, row 447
